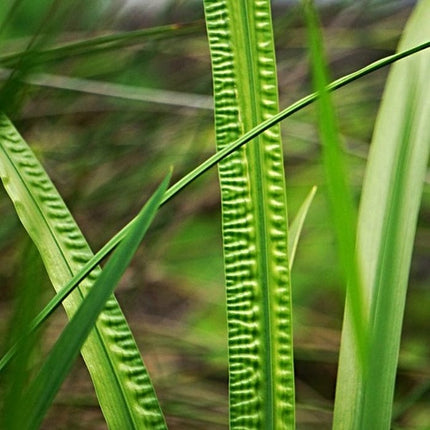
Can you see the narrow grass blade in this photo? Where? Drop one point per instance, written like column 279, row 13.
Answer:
column 340, row 196
column 123, row 387
column 208, row 164
column 103, row 43
column 388, row 213
column 295, row 229
column 254, row 216
column 60, row 359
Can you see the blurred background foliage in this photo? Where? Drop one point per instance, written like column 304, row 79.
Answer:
column 108, row 120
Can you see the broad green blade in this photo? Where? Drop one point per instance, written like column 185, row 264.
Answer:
column 57, row 365
column 254, row 216
column 295, row 229
column 386, row 228
column 122, row 384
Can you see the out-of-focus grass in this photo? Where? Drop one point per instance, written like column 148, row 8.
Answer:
column 96, row 147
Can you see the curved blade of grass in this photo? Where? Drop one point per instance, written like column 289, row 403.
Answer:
column 123, row 387
column 295, row 229
column 208, row 164
column 386, row 228
column 57, row 365
column 254, row 216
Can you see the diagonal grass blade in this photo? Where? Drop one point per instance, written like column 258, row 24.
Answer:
column 254, row 216
column 124, row 390
column 60, row 359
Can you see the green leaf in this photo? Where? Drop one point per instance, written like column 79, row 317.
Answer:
column 295, row 229
column 122, row 385
column 60, row 359
column 254, row 216
column 342, row 207
column 386, row 228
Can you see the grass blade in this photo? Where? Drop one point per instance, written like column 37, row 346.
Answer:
column 254, row 216
column 386, row 228
column 124, row 390
column 60, row 360
column 340, row 196
column 295, row 229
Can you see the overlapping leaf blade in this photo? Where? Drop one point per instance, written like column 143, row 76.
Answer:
column 386, row 228
column 60, row 359
column 343, row 211
column 254, row 216
column 122, row 384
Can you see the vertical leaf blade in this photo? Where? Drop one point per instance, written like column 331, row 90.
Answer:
column 386, row 228
column 122, row 384
column 254, row 216
column 342, row 207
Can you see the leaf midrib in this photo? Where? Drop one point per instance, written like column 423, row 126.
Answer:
column 258, row 190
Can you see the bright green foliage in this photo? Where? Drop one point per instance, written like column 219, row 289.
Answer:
column 386, row 228
column 254, row 216
column 59, row 361
column 340, row 196
column 122, row 385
